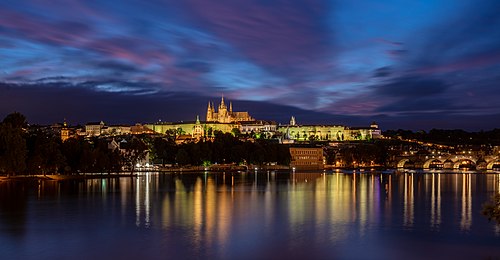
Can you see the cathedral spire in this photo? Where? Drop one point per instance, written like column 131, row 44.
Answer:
column 231, row 107
column 222, row 105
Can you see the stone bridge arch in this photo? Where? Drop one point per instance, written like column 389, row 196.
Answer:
column 492, row 163
column 402, row 162
column 427, row 163
column 464, row 161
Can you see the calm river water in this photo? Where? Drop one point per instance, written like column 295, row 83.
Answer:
column 269, row 215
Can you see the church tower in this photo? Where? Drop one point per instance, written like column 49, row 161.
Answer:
column 222, row 112
column 210, row 113
column 198, row 131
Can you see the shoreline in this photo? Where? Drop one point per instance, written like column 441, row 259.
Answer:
column 55, row 177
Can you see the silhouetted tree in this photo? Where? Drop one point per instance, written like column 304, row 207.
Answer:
column 13, row 149
column 492, row 209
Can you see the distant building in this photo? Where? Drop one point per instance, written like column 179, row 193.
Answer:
column 198, row 131
column 116, row 130
column 307, row 158
column 94, row 128
column 296, row 132
column 66, row 132
column 223, row 115
column 266, row 128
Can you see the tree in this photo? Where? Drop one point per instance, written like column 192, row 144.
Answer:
column 16, row 120
column 182, row 157
column 13, row 150
column 236, row 132
column 492, row 209
column 44, row 153
column 134, row 151
column 171, row 134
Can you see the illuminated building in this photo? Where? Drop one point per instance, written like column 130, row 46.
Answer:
column 94, row 128
column 296, row 132
column 198, row 131
column 223, row 115
column 225, row 120
column 307, row 158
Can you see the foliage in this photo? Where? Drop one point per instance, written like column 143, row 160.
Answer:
column 492, row 209
column 13, row 149
column 15, row 120
column 223, row 149
column 449, row 137
column 133, row 151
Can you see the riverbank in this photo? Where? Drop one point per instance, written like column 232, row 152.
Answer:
column 53, row 177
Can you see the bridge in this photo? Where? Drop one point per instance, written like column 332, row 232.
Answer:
column 448, row 161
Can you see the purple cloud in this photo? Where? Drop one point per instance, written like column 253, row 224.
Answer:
column 282, row 35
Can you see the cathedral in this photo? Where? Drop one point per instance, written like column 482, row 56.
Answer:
column 225, row 115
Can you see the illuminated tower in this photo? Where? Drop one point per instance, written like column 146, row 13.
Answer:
column 210, row 113
column 222, row 112
column 198, row 131
column 64, row 131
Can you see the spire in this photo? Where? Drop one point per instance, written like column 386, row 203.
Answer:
column 222, row 105
column 197, row 119
column 231, row 107
column 209, row 108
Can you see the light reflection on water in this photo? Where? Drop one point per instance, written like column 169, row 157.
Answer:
column 247, row 215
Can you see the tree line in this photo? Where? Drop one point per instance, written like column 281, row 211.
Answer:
column 224, row 148
column 449, row 137
column 34, row 150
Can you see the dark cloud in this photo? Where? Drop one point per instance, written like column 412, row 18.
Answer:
column 117, row 66
column 463, row 42
column 412, row 87
column 198, row 66
column 419, row 104
column 280, row 35
column 79, row 104
column 382, row 72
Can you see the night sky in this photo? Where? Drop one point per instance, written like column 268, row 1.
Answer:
column 406, row 64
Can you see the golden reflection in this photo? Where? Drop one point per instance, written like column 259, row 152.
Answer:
column 320, row 201
column 466, row 216
column 363, row 202
column 436, row 200
column 408, row 200
column 146, row 201
column 137, row 203
column 205, row 210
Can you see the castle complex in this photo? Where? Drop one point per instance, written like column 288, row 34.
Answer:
column 222, row 118
column 223, row 115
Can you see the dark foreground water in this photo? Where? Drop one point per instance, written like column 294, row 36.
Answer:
column 252, row 216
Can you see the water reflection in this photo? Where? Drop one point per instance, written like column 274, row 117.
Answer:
column 408, row 200
column 436, row 201
column 466, row 216
column 223, row 215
